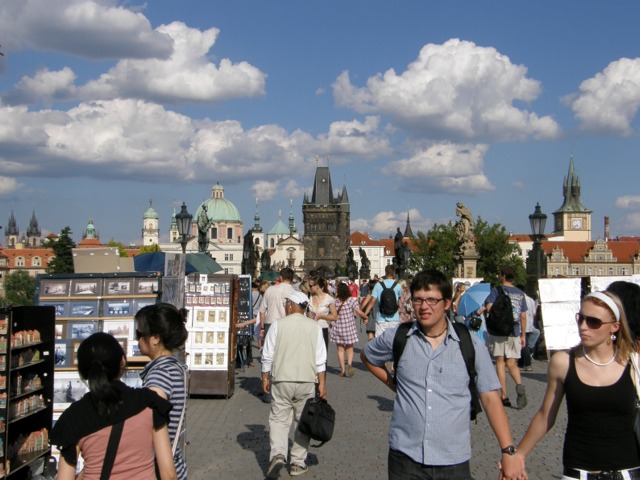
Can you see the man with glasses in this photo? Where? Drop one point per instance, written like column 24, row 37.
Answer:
column 430, row 435
column 507, row 350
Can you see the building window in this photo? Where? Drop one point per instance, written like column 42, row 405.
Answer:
column 231, row 257
column 272, row 243
column 226, row 270
column 19, row 261
column 226, row 257
column 257, row 241
column 214, row 233
column 36, row 262
column 230, row 233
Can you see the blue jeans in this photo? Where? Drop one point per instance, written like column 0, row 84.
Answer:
column 525, row 356
column 401, row 467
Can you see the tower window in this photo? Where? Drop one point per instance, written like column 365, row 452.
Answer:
column 229, row 233
column 214, row 233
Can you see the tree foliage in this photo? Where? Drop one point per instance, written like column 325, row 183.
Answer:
column 121, row 250
column 20, row 288
column 149, row 249
column 438, row 247
column 63, row 251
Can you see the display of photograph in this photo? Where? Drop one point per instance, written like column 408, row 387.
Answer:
column 118, row 308
column 132, row 378
column 61, row 354
column 146, row 286
column 60, row 331
column 85, row 287
column 60, row 307
column 75, row 344
column 81, row 330
column 118, row 286
column 79, row 308
column 67, row 388
column 142, row 302
column 58, row 288
column 124, row 329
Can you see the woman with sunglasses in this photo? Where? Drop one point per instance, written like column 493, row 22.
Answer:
column 160, row 331
column 322, row 307
column 596, row 378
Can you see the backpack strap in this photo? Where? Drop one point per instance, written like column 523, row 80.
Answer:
column 112, row 450
column 469, row 355
column 399, row 342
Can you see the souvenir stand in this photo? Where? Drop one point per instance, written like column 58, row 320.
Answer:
column 88, row 303
column 211, row 347
column 26, row 389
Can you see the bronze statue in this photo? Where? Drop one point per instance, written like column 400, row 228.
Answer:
column 203, row 227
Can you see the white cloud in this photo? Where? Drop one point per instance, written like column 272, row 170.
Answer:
column 630, row 224
column 86, row 28
column 608, row 102
column 355, row 137
column 457, row 90
column 443, row 168
column 8, row 185
column 628, row 201
column 186, row 75
column 385, row 223
column 265, row 191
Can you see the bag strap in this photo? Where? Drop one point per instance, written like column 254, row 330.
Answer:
column 399, row 342
column 184, row 409
column 469, row 355
column 636, row 370
column 112, row 449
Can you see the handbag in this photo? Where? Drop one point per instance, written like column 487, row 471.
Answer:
column 317, row 420
column 475, row 322
column 636, row 375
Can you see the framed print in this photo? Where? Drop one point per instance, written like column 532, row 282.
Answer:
column 210, row 338
column 135, row 349
column 73, row 352
column 196, row 359
column 60, row 331
column 211, row 316
column 141, row 303
column 61, row 307
column 222, row 316
column 57, row 288
column 118, row 286
column 80, row 308
column 67, row 388
column 146, row 286
column 81, row 330
column 61, row 354
column 199, row 316
column 85, row 287
column 123, row 329
column 118, row 308
column 132, row 378
column 197, row 338
column 221, row 339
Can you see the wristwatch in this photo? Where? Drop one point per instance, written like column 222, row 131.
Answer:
column 509, row 450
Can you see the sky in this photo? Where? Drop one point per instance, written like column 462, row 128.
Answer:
column 107, row 105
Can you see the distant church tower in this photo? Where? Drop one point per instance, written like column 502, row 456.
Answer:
column 12, row 232
column 327, row 225
column 174, row 234
column 150, row 231
column 34, row 234
column 572, row 220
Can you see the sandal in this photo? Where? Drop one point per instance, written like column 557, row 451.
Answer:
column 342, row 374
column 296, row 470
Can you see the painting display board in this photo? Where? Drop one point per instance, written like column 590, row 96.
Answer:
column 88, row 303
column 559, row 301
column 212, row 304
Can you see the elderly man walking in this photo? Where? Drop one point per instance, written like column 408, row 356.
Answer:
column 293, row 361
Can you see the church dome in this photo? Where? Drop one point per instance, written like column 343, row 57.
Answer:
column 150, row 213
column 218, row 208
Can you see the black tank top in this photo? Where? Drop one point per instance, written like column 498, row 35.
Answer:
column 600, row 432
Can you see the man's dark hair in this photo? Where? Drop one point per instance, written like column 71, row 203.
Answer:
column 508, row 273
column 287, row 274
column 389, row 271
column 629, row 295
column 432, row 278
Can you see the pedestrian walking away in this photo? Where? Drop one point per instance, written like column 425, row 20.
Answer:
column 430, row 433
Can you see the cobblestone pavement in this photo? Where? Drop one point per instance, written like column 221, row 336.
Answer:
column 229, row 438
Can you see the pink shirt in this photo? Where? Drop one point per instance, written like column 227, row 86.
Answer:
column 135, row 457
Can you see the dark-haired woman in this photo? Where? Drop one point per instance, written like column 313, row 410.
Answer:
column 596, row 378
column 345, row 333
column 85, row 427
column 322, row 307
column 160, row 332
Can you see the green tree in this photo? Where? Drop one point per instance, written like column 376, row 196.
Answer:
column 149, row 249
column 63, row 250
column 435, row 250
column 492, row 242
column 20, row 288
column 121, row 250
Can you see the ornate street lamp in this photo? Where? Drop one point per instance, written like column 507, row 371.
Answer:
column 183, row 219
column 536, row 263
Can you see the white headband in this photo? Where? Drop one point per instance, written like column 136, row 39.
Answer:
column 606, row 299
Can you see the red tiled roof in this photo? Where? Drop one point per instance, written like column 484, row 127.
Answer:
column 576, row 252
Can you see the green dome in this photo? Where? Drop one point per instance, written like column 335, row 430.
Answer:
column 219, row 209
column 279, row 228
column 150, row 213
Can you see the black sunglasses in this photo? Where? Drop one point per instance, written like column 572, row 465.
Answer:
column 592, row 322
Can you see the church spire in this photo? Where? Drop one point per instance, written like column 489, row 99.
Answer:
column 571, row 192
column 292, row 225
column 407, row 229
column 256, row 219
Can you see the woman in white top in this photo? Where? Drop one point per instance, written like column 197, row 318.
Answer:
column 322, row 306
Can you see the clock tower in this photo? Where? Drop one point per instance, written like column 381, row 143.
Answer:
column 572, row 220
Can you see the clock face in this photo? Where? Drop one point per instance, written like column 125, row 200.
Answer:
column 576, row 223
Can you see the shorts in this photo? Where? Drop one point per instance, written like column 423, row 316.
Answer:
column 508, row 347
column 382, row 326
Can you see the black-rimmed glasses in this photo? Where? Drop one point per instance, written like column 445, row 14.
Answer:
column 432, row 302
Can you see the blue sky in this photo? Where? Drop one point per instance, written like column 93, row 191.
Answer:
column 417, row 105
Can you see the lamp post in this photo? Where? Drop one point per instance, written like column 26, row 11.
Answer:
column 536, row 264
column 183, row 219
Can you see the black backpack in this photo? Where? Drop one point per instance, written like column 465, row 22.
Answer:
column 388, row 299
column 468, row 354
column 500, row 321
